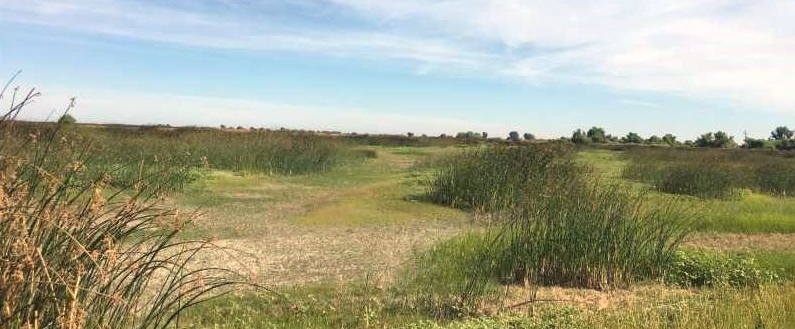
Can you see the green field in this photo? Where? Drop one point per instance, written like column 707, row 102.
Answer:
column 414, row 236
column 379, row 198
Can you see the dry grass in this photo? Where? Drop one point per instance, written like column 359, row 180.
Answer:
column 742, row 242
column 315, row 229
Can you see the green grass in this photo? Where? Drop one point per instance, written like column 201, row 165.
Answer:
column 746, row 212
column 376, row 191
column 329, row 306
column 711, row 173
column 753, row 213
column 312, row 306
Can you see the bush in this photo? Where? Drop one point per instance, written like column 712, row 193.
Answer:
column 719, row 139
column 579, row 137
column 67, row 119
column 759, row 144
column 597, row 135
column 704, row 269
column 632, row 138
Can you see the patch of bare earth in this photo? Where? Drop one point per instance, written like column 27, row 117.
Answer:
column 290, row 254
column 742, row 242
column 519, row 298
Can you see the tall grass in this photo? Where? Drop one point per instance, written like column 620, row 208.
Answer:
column 77, row 253
column 558, row 225
column 710, row 173
column 183, row 154
column 496, row 179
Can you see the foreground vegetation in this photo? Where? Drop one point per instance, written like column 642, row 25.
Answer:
column 77, row 253
column 445, row 234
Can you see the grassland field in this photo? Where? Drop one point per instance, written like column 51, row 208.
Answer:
column 332, row 241
column 378, row 232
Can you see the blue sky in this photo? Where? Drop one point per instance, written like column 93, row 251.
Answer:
column 425, row 66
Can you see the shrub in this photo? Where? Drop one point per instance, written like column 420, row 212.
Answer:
column 719, row 139
column 759, row 144
column 597, row 135
column 632, row 138
column 670, row 140
column 67, row 119
column 786, row 145
column 705, row 269
column 579, row 137
column 513, row 136
column 654, row 139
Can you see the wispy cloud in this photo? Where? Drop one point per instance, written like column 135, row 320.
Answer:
column 732, row 50
column 634, row 102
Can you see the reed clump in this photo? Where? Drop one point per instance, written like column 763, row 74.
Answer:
column 556, row 225
column 496, row 179
column 711, row 173
column 75, row 252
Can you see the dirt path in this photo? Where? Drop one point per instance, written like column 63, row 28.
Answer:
column 300, row 230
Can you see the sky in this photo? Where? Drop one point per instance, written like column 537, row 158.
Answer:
column 423, row 66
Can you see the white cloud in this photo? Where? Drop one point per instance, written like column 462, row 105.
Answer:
column 736, row 51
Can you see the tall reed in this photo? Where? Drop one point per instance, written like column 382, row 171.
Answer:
column 711, row 173
column 495, row 179
column 77, row 253
column 557, row 224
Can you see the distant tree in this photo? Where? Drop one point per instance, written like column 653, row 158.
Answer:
column 513, row 136
column 670, row 140
column 611, row 138
column 223, row 127
column 632, row 138
column 654, row 139
column 723, row 140
column 467, row 135
column 67, row 119
column 443, row 135
column 597, row 135
column 782, row 133
column 410, row 134
column 485, row 135
column 240, row 128
column 579, row 137
column 529, row 137
column 424, row 136
column 718, row 139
